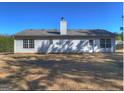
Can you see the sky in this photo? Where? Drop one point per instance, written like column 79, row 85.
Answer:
column 15, row 17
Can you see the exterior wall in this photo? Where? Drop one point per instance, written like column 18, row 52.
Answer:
column 62, row 46
column 18, row 47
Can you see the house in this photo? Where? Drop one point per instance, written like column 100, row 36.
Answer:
column 64, row 40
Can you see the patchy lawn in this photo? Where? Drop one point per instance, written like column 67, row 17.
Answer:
column 98, row 71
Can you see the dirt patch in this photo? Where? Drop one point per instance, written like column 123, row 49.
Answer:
column 97, row 71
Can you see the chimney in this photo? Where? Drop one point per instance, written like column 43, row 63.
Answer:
column 63, row 26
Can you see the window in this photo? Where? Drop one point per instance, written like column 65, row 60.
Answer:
column 91, row 42
column 102, row 43
column 105, row 43
column 108, row 43
column 25, row 43
column 31, row 43
column 28, row 43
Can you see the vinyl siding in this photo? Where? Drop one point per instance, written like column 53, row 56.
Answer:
column 62, row 46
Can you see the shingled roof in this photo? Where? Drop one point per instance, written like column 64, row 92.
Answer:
column 54, row 32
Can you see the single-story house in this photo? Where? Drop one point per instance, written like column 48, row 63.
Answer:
column 64, row 40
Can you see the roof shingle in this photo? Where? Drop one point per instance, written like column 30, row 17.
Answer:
column 54, row 32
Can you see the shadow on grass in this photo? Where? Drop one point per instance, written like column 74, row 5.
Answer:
column 70, row 69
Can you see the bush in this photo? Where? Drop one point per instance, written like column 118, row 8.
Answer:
column 119, row 36
column 6, row 44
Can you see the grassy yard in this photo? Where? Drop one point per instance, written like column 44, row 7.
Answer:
column 98, row 71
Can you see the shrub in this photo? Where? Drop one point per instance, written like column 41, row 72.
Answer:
column 6, row 43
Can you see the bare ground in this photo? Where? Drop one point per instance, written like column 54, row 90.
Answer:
column 98, row 71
